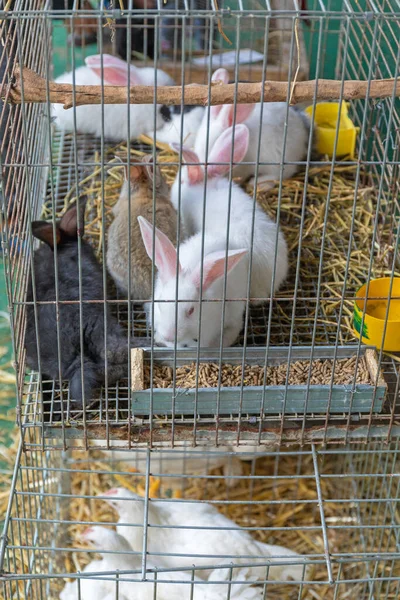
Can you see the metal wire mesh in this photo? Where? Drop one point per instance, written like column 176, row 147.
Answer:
column 310, row 315
column 336, row 508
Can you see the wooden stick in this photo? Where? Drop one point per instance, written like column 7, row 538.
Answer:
column 35, row 90
column 137, row 369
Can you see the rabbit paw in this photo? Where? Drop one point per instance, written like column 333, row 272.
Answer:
column 117, row 351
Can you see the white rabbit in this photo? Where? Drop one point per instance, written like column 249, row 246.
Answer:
column 171, row 131
column 177, row 461
column 89, row 117
column 215, row 266
column 118, row 556
column 272, row 136
column 185, row 533
column 220, row 193
column 242, row 207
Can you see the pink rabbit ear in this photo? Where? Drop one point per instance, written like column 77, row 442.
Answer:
column 215, row 266
column 195, row 172
column 221, row 75
column 222, row 150
column 165, row 253
column 243, row 111
column 115, row 70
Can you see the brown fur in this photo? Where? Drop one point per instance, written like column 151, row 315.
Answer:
column 141, row 204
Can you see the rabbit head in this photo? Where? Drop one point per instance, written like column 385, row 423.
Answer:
column 166, row 307
column 218, row 165
column 143, row 174
column 219, row 119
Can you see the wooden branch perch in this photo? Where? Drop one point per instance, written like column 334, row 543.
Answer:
column 35, row 90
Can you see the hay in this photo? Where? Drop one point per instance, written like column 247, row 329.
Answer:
column 291, row 479
column 295, row 517
column 309, row 313
column 207, row 375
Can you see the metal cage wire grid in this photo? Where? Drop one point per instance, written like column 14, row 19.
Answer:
column 307, row 318
column 337, row 507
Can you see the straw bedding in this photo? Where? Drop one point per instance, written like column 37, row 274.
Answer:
column 296, row 516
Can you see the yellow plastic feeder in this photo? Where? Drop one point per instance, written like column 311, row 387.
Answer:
column 326, row 115
column 375, row 314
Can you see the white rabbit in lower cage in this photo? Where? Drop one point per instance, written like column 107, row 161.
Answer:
column 89, row 117
column 273, row 119
column 187, row 533
column 195, row 461
column 95, row 588
column 117, row 556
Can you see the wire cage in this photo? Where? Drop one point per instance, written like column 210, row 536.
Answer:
column 296, row 371
column 334, row 512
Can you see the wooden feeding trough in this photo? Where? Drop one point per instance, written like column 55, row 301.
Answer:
column 278, row 390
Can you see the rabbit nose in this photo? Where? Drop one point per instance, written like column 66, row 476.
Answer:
column 166, row 113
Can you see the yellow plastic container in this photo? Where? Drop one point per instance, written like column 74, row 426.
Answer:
column 326, row 118
column 375, row 314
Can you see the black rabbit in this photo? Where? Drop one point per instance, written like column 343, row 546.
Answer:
column 68, row 318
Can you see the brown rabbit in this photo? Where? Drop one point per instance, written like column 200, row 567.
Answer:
column 140, row 180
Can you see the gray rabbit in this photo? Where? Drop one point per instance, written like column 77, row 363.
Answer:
column 69, row 362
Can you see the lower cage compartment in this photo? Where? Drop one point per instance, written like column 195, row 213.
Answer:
column 331, row 517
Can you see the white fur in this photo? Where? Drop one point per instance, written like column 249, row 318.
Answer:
column 89, row 117
column 211, row 312
column 272, row 137
column 171, row 132
column 220, row 194
column 118, row 556
column 242, row 206
column 217, row 541
column 189, row 460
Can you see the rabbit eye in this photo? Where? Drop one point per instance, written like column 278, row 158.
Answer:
column 190, row 311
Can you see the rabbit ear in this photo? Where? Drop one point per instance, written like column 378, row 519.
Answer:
column 220, row 75
column 165, row 253
column 215, row 266
column 223, row 76
column 195, row 172
column 243, row 111
column 134, row 172
column 222, row 150
column 43, row 231
column 115, row 70
column 153, row 171
column 69, row 221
